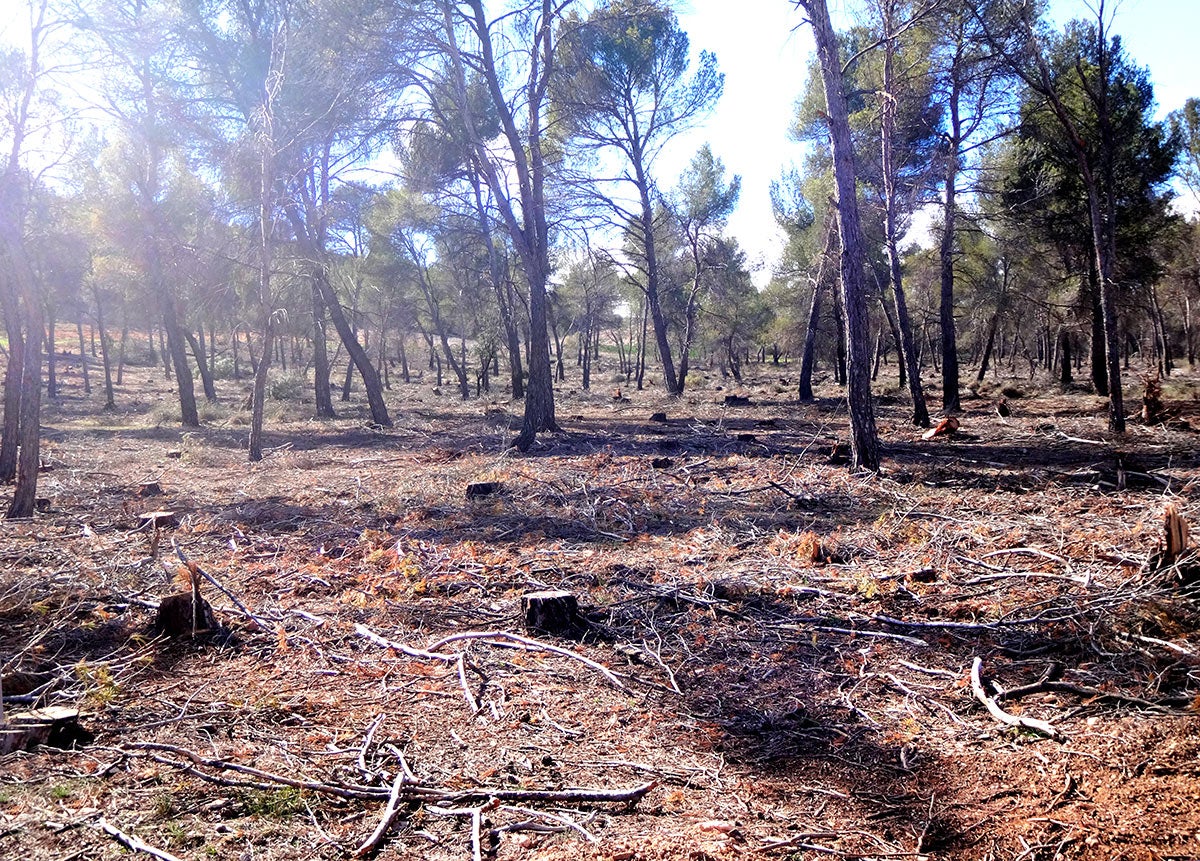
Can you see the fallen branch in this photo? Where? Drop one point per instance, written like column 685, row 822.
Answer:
column 530, row 643
column 385, row 822
column 1039, row 726
column 408, row 791
column 476, row 814
column 147, row 748
column 1047, row 686
column 367, row 633
column 566, row 822
column 265, row 624
column 132, row 843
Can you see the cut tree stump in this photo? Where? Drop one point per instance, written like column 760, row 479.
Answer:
column 1176, row 550
column 53, row 725
column 149, row 488
column 177, row 617
column 737, row 401
column 159, row 519
column 552, row 611
column 658, row 417
column 483, row 488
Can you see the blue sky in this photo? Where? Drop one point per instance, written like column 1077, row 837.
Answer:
column 764, row 55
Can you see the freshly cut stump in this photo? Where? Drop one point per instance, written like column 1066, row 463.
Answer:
column 552, row 611
column 54, row 725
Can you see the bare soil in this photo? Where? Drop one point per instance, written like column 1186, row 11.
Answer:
column 783, row 648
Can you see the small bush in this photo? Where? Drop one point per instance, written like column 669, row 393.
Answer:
column 287, row 387
column 223, row 368
column 140, row 356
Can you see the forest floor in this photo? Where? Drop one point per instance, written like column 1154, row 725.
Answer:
column 776, row 659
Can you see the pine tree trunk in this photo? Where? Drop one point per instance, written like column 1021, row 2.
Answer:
column 950, row 393
column 83, row 358
column 864, row 440
column 51, row 356
column 206, row 380
column 321, row 389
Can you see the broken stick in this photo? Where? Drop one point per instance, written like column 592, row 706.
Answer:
column 1038, row 726
column 133, row 843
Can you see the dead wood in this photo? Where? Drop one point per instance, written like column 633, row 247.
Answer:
column 198, row 572
column 552, row 611
column 1020, row 721
column 184, row 614
column 390, row 812
column 1175, row 551
column 407, row 792
column 477, row 489
column 133, row 843
column 1152, row 403
column 946, row 427
column 158, row 520
column 499, row 638
column 55, row 726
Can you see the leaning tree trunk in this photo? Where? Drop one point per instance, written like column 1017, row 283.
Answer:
column 189, row 415
column 206, row 379
column 657, row 317
column 358, row 355
column 864, row 439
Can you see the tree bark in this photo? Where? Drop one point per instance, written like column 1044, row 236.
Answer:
column 13, row 373
column 206, row 380
column 51, row 353
column 83, row 361
column 864, row 439
column 321, row 389
column 950, row 391
column 908, row 356
column 808, row 358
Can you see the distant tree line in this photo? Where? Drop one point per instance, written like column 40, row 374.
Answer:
column 368, row 191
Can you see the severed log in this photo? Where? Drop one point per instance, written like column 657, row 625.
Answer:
column 1175, row 534
column 183, row 615
column 552, row 611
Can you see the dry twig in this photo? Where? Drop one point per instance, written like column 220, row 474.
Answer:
column 1039, row 726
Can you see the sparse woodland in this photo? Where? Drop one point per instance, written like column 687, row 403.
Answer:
column 398, row 462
